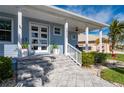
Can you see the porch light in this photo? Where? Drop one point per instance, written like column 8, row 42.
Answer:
column 76, row 29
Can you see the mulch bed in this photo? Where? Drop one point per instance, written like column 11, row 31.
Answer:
column 8, row 83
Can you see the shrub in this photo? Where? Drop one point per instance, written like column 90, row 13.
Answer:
column 5, row 68
column 54, row 46
column 87, row 59
column 100, row 57
column 91, row 58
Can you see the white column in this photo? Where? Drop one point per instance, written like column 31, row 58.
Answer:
column 19, row 33
column 87, row 39
column 65, row 37
column 100, row 40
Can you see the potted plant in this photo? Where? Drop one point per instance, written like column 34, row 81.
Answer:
column 55, row 49
column 24, row 49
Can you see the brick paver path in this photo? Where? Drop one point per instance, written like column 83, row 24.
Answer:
column 59, row 72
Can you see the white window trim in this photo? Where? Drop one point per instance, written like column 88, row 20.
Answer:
column 72, row 37
column 60, row 31
column 12, row 27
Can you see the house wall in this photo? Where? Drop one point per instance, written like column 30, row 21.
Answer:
column 1, row 49
column 72, row 41
column 6, row 49
column 59, row 40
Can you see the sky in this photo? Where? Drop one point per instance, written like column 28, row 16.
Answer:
column 102, row 13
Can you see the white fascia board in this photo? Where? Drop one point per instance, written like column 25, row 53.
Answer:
column 77, row 15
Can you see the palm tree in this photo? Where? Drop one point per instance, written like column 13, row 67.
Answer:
column 116, row 33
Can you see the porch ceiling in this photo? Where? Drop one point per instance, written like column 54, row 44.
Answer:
column 56, row 15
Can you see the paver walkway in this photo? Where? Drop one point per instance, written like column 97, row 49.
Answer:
column 59, row 72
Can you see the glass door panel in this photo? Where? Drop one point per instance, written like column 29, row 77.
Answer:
column 39, row 38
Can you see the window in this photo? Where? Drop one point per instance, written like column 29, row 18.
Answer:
column 34, row 28
column 43, row 47
column 43, row 35
column 57, row 31
column 43, row 41
column 34, row 41
column 43, row 29
column 34, row 34
column 73, row 37
column 34, row 47
column 5, row 30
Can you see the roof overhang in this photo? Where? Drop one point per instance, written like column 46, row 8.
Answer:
column 56, row 15
column 75, row 16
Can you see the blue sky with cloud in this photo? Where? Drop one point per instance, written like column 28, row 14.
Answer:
column 100, row 13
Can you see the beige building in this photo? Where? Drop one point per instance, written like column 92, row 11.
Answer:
column 93, row 42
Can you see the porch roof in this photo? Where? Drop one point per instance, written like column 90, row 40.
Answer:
column 72, row 15
column 56, row 15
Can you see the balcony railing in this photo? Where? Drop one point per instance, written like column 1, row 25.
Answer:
column 75, row 54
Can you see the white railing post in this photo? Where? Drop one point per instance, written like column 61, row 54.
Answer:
column 100, row 40
column 66, row 38
column 87, row 39
column 19, row 32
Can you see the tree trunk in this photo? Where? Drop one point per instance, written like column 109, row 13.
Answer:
column 113, row 54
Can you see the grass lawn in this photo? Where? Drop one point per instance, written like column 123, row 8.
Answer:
column 113, row 75
column 119, row 57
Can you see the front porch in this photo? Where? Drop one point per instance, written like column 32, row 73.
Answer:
column 35, row 25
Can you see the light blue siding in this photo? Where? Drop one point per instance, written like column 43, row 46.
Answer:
column 59, row 40
column 72, row 41
column 25, row 30
column 1, row 49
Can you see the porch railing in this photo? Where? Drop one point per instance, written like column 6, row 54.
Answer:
column 75, row 54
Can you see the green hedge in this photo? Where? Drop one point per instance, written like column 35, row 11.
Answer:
column 92, row 58
column 5, row 68
column 87, row 59
column 100, row 57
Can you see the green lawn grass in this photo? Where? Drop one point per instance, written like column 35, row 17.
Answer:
column 119, row 57
column 113, row 75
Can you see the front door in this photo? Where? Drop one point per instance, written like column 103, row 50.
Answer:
column 38, row 38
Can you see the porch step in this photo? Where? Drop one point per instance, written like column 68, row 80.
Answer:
column 30, row 72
